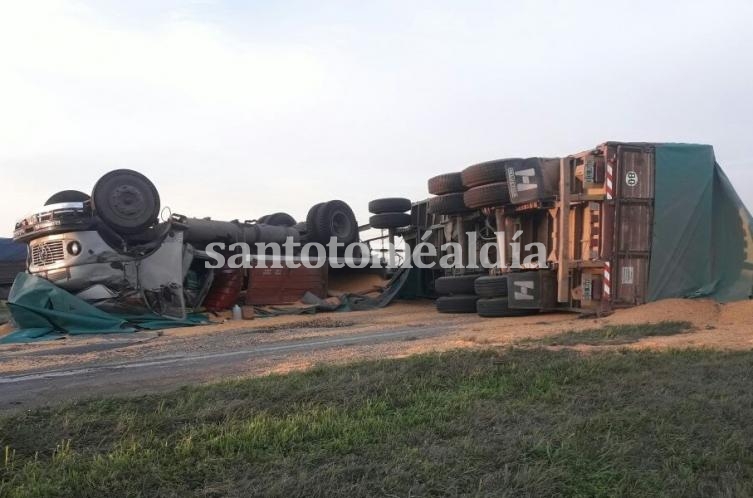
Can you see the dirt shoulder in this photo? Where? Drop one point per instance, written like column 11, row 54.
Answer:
column 715, row 325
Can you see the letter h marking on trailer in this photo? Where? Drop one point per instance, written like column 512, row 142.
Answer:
column 523, row 290
column 524, row 178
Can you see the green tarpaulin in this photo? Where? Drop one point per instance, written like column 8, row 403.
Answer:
column 41, row 310
column 702, row 245
column 44, row 311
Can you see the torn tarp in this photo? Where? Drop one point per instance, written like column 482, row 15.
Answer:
column 41, row 310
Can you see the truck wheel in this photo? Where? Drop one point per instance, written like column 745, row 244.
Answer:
column 126, row 201
column 493, row 307
column 390, row 205
column 277, row 219
column 462, row 284
column 491, row 286
column 390, row 220
column 311, row 221
column 333, row 219
column 445, row 184
column 67, row 196
column 488, row 172
column 447, row 204
column 456, row 304
column 490, row 195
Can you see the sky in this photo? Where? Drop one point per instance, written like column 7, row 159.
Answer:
column 239, row 109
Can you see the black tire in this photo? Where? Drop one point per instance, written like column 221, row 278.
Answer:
column 67, row 196
column 277, row 219
column 456, row 304
column 126, row 201
column 390, row 220
column 332, row 219
column 491, row 195
column 447, row 204
column 462, row 284
column 311, row 221
column 488, row 172
column 493, row 307
column 445, row 184
column 491, row 286
column 389, row 205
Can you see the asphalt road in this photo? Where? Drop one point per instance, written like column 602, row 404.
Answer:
column 160, row 373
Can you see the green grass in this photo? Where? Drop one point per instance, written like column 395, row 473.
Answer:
column 612, row 335
column 519, row 422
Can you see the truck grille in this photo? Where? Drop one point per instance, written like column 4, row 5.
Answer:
column 47, row 253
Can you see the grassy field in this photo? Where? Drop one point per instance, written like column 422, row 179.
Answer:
column 512, row 422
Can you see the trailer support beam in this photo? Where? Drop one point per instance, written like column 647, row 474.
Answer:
column 563, row 249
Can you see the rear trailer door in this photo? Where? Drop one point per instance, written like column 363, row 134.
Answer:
column 630, row 189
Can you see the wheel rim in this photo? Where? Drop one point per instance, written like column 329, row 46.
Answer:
column 126, row 201
column 341, row 225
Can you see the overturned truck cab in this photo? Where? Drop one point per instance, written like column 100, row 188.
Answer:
column 112, row 250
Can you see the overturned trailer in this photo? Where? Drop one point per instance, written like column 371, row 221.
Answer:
column 623, row 224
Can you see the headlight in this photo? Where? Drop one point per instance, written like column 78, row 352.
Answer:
column 74, row 248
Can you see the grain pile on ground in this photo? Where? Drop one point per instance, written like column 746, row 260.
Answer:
column 700, row 312
column 717, row 325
